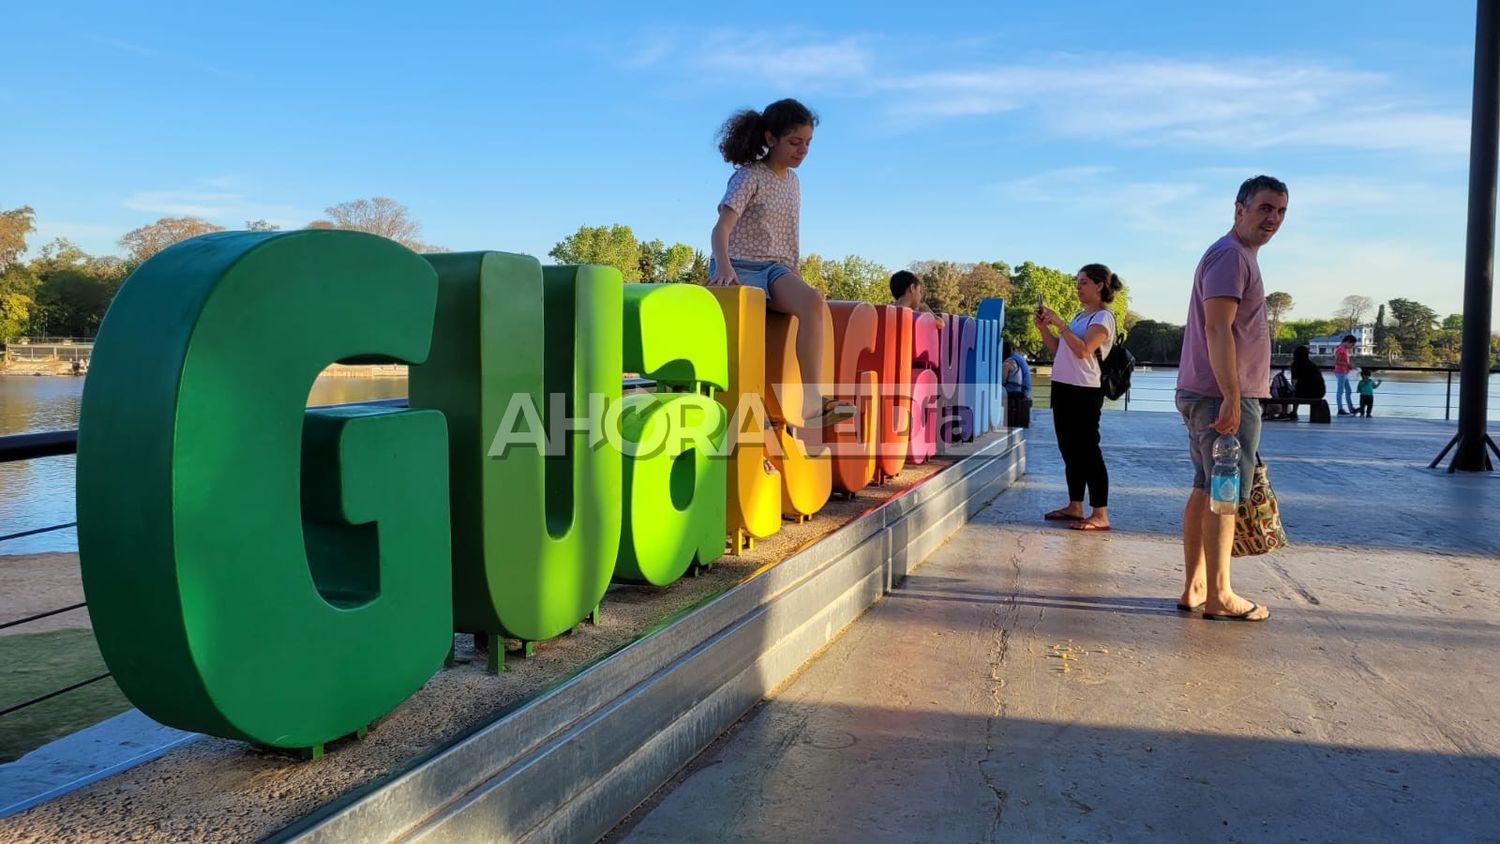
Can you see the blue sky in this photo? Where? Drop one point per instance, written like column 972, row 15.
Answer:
column 1063, row 133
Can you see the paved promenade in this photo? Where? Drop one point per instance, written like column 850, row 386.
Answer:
column 1030, row 682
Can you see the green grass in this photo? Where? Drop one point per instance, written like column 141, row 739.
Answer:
column 34, row 664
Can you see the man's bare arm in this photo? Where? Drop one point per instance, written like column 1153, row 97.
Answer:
column 1218, row 328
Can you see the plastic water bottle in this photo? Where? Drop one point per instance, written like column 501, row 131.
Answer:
column 1224, row 486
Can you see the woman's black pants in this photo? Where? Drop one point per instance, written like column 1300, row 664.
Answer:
column 1075, row 417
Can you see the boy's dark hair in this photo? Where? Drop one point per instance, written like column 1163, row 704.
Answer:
column 1007, row 349
column 901, row 281
column 1349, row 338
column 1108, row 282
column 1366, row 372
column 1256, row 184
column 743, row 135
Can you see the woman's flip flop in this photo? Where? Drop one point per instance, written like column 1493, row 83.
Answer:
column 1083, row 525
column 1244, row 616
column 1062, row 516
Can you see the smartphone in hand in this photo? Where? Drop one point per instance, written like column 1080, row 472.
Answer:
column 1039, row 305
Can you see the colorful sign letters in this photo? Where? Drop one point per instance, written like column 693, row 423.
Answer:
column 262, row 571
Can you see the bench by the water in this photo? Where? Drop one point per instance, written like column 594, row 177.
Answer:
column 1317, row 412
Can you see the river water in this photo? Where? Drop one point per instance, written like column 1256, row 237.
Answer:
column 39, row 493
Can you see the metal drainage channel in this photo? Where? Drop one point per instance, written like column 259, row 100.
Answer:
column 572, row 763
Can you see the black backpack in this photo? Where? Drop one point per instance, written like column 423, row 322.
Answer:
column 1114, row 370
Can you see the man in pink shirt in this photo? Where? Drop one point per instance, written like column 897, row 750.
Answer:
column 1225, row 371
column 1341, row 374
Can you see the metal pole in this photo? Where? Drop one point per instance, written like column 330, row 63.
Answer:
column 1448, row 411
column 1479, row 258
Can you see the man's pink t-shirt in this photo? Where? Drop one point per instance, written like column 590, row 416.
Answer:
column 1341, row 360
column 1227, row 269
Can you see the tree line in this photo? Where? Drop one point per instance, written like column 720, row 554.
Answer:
column 949, row 286
column 1406, row 332
column 63, row 291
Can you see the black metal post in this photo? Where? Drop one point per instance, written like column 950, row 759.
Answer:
column 1479, row 258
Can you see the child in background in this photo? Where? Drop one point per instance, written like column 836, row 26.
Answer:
column 1366, row 392
column 906, row 291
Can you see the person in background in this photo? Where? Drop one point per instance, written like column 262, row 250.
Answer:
column 1341, row 367
column 1367, row 386
column 1281, row 388
column 906, row 291
column 1016, row 376
column 1307, row 378
column 1077, row 397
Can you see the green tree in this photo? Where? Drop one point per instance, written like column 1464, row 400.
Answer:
column 857, row 279
column 17, row 284
column 140, row 244
column 1056, row 288
column 1278, row 305
column 15, row 225
column 940, row 285
column 812, row 269
column 73, row 289
column 697, row 271
column 660, row 262
column 1447, row 341
column 677, row 262
column 1390, row 347
column 650, row 255
column 1380, row 328
column 611, row 246
column 1302, row 330
column 1414, row 329
column 1155, row 342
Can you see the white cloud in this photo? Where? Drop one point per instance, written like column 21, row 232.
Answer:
column 128, row 46
column 1154, row 101
column 217, row 200
column 156, row 55
column 1234, row 103
column 773, row 56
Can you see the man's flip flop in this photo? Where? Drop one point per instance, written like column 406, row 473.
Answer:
column 1089, row 526
column 1181, row 607
column 1244, row 616
column 1062, row 516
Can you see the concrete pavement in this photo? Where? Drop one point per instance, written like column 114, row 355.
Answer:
column 1030, row 682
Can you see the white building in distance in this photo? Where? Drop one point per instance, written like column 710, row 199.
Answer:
column 1364, row 342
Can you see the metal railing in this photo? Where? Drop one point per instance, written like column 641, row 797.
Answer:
column 1154, row 394
column 32, row 446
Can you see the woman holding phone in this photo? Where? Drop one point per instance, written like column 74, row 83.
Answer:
column 1078, row 346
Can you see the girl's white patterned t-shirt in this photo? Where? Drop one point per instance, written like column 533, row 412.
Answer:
column 768, row 206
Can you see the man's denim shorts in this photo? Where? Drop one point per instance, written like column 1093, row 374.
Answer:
column 1198, row 414
column 760, row 274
